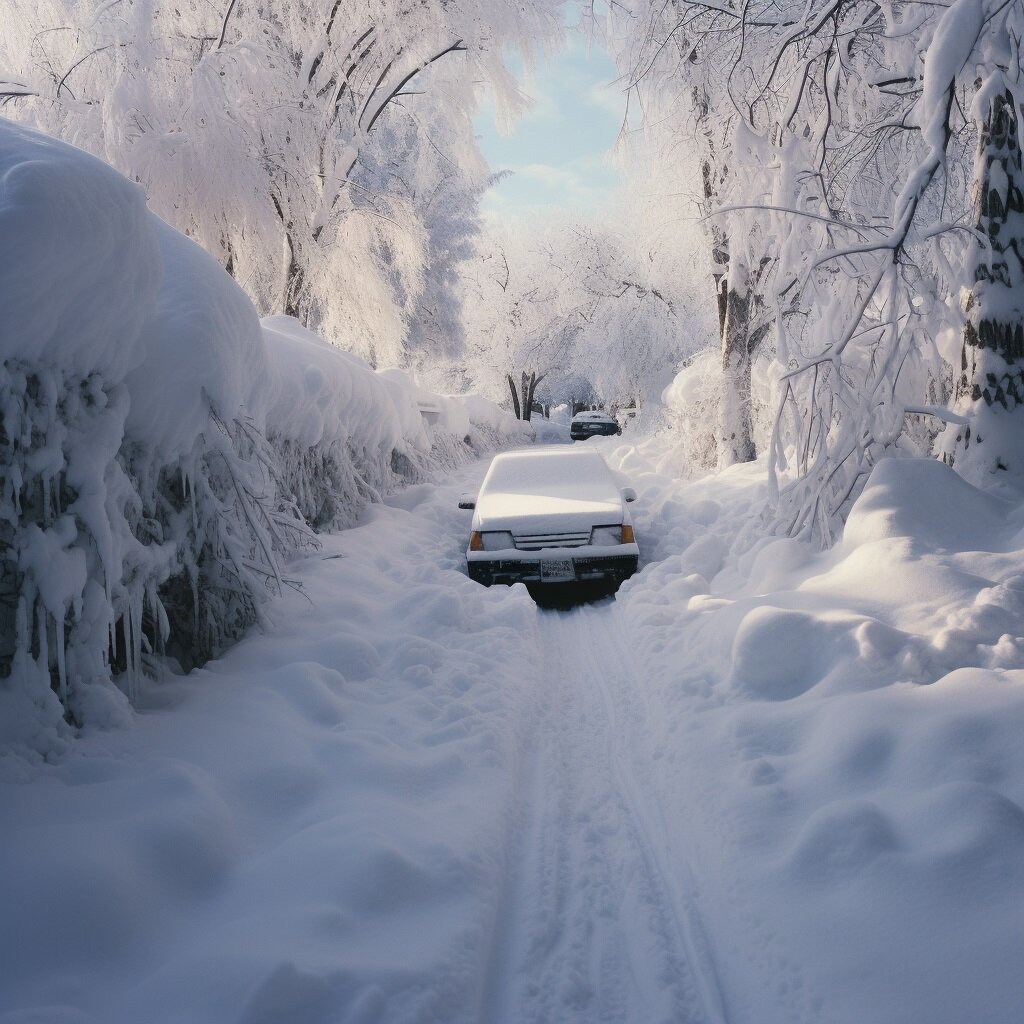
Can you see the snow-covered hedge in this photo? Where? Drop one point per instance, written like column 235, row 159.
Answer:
column 162, row 452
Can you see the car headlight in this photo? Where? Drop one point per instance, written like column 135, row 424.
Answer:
column 606, row 536
column 497, row 540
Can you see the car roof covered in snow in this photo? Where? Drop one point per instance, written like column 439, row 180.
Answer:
column 552, row 489
column 594, row 414
column 557, row 474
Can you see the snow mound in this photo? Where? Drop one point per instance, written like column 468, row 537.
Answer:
column 841, row 841
column 926, row 500
column 779, row 654
column 837, row 734
column 164, row 453
column 52, row 197
column 202, row 349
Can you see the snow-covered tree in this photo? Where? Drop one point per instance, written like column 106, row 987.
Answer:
column 858, row 201
column 609, row 304
column 262, row 130
column 990, row 384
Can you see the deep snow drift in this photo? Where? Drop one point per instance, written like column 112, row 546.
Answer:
column 762, row 785
column 839, row 737
column 164, row 454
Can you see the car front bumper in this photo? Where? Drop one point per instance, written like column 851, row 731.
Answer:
column 584, row 567
column 582, row 435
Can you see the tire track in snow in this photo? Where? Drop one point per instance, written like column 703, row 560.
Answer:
column 612, row 659
column 596, row 922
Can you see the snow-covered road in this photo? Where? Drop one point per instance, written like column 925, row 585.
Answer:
column 761, row 786
column 409, row 798
column 598, row 920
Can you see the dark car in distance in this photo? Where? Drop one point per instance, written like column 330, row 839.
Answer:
column 594, row 422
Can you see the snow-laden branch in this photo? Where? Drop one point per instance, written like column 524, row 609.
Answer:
column 860, row 229
column 938, row 412
column 457, row 47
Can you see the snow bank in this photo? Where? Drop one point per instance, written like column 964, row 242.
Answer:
column 843, row 735
column 163, row 452
column 313, row 828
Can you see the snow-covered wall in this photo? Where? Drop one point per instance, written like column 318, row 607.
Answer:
column 162, row 452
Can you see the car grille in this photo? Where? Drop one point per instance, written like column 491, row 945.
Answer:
column 536, row 541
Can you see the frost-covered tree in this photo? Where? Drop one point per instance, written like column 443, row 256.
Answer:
column 678, row 71
column 521, row 332
column 576, row 300
column 859, row 201
column 260, row 129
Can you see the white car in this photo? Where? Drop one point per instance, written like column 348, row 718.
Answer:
column 553, row 516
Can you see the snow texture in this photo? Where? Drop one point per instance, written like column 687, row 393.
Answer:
column 548, row 491
column 164, row 453
column 764, row 784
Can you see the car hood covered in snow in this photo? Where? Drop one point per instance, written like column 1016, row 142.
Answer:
column 548, row 491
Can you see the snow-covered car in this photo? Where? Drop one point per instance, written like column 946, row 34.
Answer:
column 588, row 423
column 553, row 516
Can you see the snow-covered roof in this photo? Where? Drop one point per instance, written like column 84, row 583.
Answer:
column 595, row 414
column 553, row 473
column 559, row 489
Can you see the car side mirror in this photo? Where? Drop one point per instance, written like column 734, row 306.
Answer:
column 628, row 494
column 467, row 501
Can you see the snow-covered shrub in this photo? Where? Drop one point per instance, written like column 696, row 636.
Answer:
column 162, row 452
column 691, row 403
column 345, row 434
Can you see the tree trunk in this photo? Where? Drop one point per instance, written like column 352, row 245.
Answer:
column 527, row 409
column 712, row 179
column 515, row 396
column 719, row 253
column 535, row 379
column 736, row 434
column 293, row 286
column 992, row 359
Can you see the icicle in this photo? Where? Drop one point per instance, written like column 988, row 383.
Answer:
column 43, row 660
column 62, row 670
column 22, row 632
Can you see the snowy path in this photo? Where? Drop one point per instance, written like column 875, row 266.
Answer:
column 782, row 789
column 407, row 799
column 597, row 926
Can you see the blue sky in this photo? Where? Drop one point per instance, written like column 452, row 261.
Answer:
column 559, row 149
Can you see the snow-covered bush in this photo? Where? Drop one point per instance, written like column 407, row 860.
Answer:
column 162, row 452
column 693, row 403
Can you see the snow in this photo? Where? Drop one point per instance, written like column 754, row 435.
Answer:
column 170, row 453
column 849, row 776
column 764, row 783
column 548, row 491
column 950, row 49
column 596, row 416
column 51, row 195
column 202, row 348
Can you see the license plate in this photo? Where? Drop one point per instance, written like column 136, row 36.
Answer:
column 555, row 569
